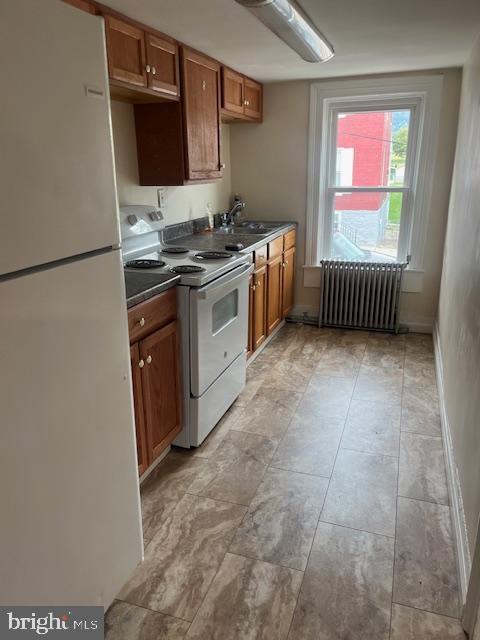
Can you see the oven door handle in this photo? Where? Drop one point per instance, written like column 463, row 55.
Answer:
column 230, row 279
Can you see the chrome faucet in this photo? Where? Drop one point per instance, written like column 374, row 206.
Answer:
column 237, row 206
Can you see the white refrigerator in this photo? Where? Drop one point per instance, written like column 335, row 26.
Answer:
column 70, row 524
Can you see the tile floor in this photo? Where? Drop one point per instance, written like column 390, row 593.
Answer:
column 317, row 509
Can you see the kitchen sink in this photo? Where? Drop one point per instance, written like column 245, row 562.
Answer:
column 247, row 228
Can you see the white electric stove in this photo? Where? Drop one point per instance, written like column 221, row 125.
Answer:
column 213, row 315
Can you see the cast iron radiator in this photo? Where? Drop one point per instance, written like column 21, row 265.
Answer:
column 360, row 295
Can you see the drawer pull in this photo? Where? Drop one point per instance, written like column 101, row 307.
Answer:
column 141, row 322
column 149, row 359
column 141, row 364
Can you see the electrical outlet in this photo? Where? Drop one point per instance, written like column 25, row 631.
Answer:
column 162, row 198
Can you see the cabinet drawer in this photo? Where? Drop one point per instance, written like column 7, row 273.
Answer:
column 152, row 314
column 261, row 256
column 289, row 239
column 275, row 248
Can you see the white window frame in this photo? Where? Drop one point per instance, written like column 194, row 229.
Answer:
column 421, row 93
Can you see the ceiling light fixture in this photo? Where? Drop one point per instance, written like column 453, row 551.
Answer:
column 289, row 23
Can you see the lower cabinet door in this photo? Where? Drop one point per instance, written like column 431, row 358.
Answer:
column 288, row 281
column 137, row 364
column 251, row 316
column 259, row 307
column 161, row 384
column 274, row 293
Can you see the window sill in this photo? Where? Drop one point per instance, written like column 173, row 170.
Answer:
column 412, row 279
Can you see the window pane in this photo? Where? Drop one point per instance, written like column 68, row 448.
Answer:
column 371, row 148
column 366, row 226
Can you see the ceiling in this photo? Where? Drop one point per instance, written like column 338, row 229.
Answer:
column 369, row 36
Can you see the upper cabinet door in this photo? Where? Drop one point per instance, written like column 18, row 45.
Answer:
column 232, row 91
column 253, row 99
column 201, row 109
column 126, row 52
column 162, row 61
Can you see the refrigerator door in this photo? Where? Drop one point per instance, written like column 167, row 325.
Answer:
column 57, row 197
column 69, row 493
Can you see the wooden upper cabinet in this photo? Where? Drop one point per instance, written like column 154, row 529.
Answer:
column 84, row 5
column 162, row 65
column 201, row 110
column 253, row 99
column 232, row 91
column 126, row 52
column 161, row 387
column 241, row 97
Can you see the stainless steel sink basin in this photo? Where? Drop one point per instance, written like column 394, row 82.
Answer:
column 250, row 228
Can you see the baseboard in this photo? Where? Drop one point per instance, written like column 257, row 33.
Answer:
column 464, row 561
column 417, row 324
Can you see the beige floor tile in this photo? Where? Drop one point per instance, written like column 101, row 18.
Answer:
column 372, row 427
column 420, row 411
column 326, row 396
column 309, row 445
column 422, row 468
column 340, row 361
column 419, row 371
column 269, row 412
column 347, row 589
column 374, row 385
column 281, row 521
column 293, row 375
column 183, row 557
column 125, row 621
column 348, row 338
column 425, row 568
column 413, row 624
column 248, row 600
column 165, row 487
column 362, row 492
column 209, row 446
column 419, row 343
column 237, row 468
column 384, row 355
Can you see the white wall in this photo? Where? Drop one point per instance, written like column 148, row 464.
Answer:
column 459, row 308
column 269, row 169
column 183, row 203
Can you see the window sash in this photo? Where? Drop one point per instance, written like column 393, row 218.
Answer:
column 412, row 157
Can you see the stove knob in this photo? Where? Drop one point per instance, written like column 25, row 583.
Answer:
column 132, row 219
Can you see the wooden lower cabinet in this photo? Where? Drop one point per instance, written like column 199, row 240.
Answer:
column 274, row 293
column 259, row 324
column 136, row 364
column 157, row 391
column 161, row 388
column 272, row 286
column 288, row 281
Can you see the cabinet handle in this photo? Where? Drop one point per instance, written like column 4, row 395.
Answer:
column 149, row 359
column 253, row 287
column 141, row 322
column 222, row 165
column 257, row 284
column 147, row 68
column 247, row 103
column 284, row 264
column 154, row 71
column 141, row 364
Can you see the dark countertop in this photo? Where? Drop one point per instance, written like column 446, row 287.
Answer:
column 141, row 286
column 206, row 240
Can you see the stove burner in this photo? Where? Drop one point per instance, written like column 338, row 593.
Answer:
column 187, row 268
column 145, row 264
column 213, row 255
column 175, row 250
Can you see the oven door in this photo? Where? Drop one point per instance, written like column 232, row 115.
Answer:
column 218, row 326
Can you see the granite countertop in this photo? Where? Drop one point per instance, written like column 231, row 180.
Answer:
column 142, row 286
column 208, row 241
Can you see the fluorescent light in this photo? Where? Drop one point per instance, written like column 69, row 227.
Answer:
column 288, row 23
